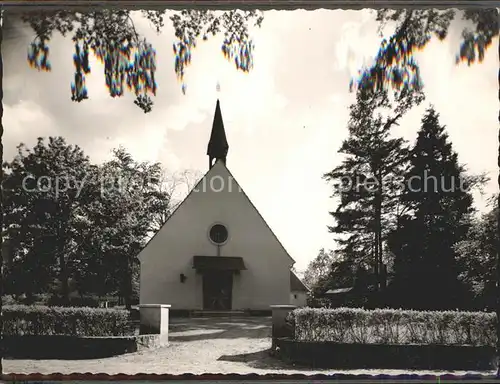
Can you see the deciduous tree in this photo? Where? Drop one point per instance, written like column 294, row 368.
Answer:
column 129, row 197
column 42, row 211
column 477, row 259
column 319, row 268
column 129, row 59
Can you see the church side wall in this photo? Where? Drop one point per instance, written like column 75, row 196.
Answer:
column 169, row 254
column 298, row 298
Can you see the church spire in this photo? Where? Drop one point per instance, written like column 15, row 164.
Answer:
column 217, row 146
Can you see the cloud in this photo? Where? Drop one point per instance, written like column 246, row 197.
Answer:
column 24, row 122
column 177, row 117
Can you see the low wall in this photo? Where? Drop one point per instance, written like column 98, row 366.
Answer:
column 154, row 319
column 335, row 355
column 184, row 313
column 280, row 328
column 259, row 313
column 74, row 347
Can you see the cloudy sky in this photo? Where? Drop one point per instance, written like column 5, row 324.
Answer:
column 284, row 121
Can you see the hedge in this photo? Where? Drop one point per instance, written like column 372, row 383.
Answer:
column 42, row 320
column 389, row 326
column 52, row 300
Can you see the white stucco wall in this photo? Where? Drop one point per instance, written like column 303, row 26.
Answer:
column 298, row 298
column 170, row 252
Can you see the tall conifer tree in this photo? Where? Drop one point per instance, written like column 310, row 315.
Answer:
column 437, row 194
column 366, row 181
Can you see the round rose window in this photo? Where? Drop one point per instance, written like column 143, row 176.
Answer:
column 218, row 234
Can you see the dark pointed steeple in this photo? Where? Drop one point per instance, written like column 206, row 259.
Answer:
column 217, row 146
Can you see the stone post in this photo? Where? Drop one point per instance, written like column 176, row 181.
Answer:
column 280, row 328
column 154, row 319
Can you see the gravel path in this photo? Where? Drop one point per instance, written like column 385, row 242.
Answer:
column 205, row 345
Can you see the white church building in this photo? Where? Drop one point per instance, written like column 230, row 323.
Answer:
column 216, row 252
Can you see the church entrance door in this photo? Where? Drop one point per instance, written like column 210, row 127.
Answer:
column 217, row 290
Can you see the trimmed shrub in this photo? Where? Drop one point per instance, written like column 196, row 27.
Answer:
column 390, row 326
column 41, row 320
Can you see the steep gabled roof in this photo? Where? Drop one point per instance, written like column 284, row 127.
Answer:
column 296, row 284
column 244, row 194
column 338, row 291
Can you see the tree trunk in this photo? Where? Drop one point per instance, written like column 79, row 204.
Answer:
column 63, row 273
column 374, row 280
column 63, row 276
column 378, row 231
column 380, row 241
column 498, row 235
column 127, row 286
column 1, row 189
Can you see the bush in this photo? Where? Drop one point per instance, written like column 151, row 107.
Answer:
column 390, row 326
column 78, row 301
column 36, row 299
column 42, row 320
column 9, row 300
column 318, row 302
